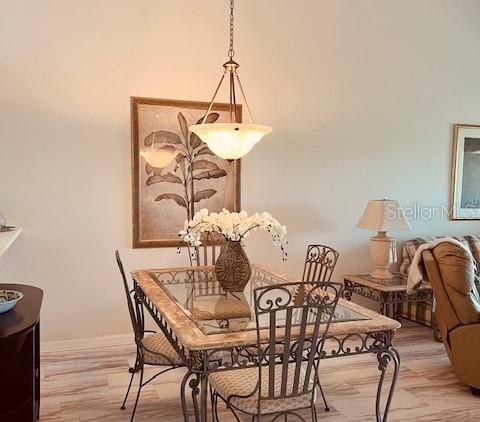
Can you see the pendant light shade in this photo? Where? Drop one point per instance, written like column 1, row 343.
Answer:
column 232, row 140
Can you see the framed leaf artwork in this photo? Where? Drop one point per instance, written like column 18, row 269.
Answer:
column 188, row 177
column 465, row 186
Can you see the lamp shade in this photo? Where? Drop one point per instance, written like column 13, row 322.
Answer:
column 383, row 215
column 230, row 140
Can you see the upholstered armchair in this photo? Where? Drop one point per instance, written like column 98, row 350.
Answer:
column 451, row 271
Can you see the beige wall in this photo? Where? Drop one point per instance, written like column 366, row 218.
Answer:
column 361, row 93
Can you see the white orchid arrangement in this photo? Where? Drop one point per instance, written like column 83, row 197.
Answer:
column 234, row 226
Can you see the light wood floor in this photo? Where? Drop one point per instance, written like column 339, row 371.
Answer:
column 87, row 383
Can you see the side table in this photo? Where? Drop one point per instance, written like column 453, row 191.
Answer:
column 390, row 294
column 20, row 357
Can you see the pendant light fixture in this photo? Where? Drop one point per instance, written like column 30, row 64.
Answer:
column 230, row 140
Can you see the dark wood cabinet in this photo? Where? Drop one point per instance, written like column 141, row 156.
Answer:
column 20, row 357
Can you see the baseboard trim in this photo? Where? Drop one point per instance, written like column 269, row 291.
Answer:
column 86, row 343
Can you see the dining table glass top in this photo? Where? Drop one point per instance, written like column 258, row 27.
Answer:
column 201, row 297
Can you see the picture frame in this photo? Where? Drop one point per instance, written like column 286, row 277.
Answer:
column 162, row 199
column 465, row 173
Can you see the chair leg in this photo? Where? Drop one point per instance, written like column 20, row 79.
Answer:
column 327, row 409
column 212, row 404
column 215, row 407
column 128, row 390
column 138, row 393
column 314, row 413
column 134, row 369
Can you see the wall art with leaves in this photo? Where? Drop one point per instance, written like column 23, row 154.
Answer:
column 163, row 198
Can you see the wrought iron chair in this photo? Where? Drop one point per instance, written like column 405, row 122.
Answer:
column 152, row 349
column 206, row 255
column 320, row 262
column 208, row 252
column 281, row 381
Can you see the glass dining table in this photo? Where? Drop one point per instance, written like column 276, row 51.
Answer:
column 215, row 330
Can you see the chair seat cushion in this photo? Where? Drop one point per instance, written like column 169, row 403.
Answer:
column 157, row 350
column 243, row 382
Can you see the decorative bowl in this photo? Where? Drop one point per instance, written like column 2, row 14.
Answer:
column 8, row 299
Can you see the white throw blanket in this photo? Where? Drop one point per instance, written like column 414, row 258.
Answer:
column 417, row 270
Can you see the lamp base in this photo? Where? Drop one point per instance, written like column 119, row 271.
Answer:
column 383, row 250
column 382, row 275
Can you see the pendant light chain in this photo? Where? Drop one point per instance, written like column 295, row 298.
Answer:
column 231, row 51
column 230, row 67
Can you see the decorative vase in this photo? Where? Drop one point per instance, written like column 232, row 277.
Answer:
column 232, row 267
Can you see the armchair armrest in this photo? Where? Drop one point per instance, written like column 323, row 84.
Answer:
column 465, row 346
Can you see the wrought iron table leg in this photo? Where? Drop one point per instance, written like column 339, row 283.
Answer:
column 384, row 358
column 194, row 386
column 203, row 397
column 385, row 304
column 397, row 311
column 194, row 383
column 182, row 395
column 199, row 387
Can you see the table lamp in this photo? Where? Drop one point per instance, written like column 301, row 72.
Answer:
column 382, row 216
